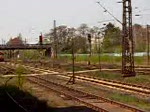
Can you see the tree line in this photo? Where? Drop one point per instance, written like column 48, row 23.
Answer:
column 108, row 38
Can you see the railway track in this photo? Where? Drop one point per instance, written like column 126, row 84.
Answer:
column 84, row 64
column 6, row 69
column 97, row 103
column 88, row 79
column 140, row 69
column 125, row 87
column 132, row 88
column 137, row 89
column 12, row 98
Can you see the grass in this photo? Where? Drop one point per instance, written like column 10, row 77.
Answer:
column 107, row 75
column 131, row 100
column 38, row 55
column 140, row 60
column 113, row 60
column 20, row 80
column 105, row 58
column 35, row 55
column 95, row 59
column 138, row 79
column 76, row 68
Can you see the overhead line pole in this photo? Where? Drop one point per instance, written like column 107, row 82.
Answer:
column 90, row 48
column 127, row 38
column 72, row 78
column 148, row 49
column 127, row 41
column 55, row 41
column 73, row 62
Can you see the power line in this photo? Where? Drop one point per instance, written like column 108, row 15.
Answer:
column 106, row 21
column 105, row 10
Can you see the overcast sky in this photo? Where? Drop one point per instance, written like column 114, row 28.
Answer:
column 30, row 17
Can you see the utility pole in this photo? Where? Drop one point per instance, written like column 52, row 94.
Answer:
column 73, row 58
column 127, row 41
column 72, row 78
column 99, row 52
column 147, row 34
column 127, row 38
column 55, row 41
column 90, row 49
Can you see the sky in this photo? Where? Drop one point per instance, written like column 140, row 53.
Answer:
column 31, row 17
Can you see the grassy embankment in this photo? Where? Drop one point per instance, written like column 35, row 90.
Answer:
column 112, row 60
column 131, row 100
column 124, row 98
column 104, row 59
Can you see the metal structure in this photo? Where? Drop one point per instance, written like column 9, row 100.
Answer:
column 25, row 46
column 127, row 41
column 72, row 78
column 55, row 41
column 147, row 34
column 99, row 47
column 90, row 48
column 12, row 48
column 127, row 38
column 99, row 53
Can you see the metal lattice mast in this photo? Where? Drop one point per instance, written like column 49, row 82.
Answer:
column 148, row 48
column 127, row 41
column 55, row 41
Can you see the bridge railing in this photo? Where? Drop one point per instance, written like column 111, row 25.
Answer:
column 25, row 46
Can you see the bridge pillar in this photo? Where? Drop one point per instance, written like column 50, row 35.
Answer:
column 48, row 52
column 13, row 54
column 10, row 54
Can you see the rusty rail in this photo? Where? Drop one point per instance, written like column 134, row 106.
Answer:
column 117, row 84
column 46, row 82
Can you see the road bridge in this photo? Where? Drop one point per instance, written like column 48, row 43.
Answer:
column 47, row 47
column 25, row 46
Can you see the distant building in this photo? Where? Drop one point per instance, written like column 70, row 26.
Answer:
column 15, row 41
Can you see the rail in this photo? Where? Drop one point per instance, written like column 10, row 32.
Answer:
column 82, row 97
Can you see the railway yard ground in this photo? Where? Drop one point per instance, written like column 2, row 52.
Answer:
column 107, row 83
column 94, row 57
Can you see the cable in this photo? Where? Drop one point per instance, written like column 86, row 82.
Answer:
column 106, row 20
column 109, row 12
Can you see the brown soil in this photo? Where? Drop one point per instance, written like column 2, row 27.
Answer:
column 59, row 102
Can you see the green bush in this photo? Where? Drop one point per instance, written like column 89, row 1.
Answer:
column 20, row 79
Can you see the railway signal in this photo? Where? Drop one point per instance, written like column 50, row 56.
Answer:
column 41, row 39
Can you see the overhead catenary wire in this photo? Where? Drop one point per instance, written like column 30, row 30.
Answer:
column 109, row 12
column 106, row 20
